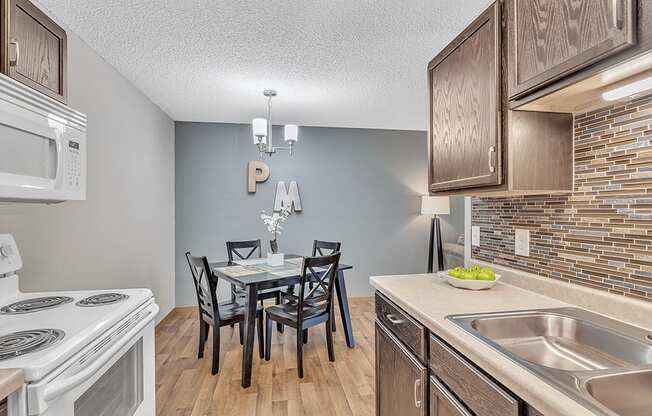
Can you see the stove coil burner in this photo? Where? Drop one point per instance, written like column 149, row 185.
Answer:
column 34, row 305
column 24, row 342
column 102, row 299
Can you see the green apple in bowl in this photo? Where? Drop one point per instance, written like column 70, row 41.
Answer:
column 486, row 274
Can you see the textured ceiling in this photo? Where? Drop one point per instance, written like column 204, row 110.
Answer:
column 343, row 63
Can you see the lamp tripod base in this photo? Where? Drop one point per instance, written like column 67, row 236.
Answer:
column 435, row 233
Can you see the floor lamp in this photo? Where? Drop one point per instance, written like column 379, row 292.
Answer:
column 435, row 206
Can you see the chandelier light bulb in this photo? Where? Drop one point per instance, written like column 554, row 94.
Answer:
column 291, row 133
column 259, row 127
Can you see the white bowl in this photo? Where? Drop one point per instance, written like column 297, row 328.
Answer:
column 469, row 284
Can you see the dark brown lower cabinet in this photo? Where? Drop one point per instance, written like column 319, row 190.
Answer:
column 443, row 402
column 442, row 383
column 401, row 381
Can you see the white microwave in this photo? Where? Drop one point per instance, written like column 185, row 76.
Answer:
column 42, row 147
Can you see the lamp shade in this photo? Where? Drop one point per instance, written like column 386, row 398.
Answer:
column 291, row 133
column 259, row 127
column 435, row 205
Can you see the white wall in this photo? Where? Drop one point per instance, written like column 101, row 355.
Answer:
column 123, row 234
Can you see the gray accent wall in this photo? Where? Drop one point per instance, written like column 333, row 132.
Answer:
column 122, row 236
column 360, row 187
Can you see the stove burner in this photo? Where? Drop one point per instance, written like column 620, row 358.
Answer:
column 34, row 305
column 102, row 299
column 24, row 342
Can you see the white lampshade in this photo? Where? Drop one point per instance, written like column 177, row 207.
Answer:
column 435, row 205
column 291, row 133
column 259, row 127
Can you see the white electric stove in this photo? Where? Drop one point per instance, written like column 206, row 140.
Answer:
column 82, row 352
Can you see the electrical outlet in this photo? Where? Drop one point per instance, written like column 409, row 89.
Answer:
column 522, row 242
column 475, row 236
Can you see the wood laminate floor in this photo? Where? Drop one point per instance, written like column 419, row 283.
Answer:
column 185, row 386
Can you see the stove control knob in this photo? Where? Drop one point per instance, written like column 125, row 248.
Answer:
column 6, row 251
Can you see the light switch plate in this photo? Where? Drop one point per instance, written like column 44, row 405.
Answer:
column 522, row 242
column 475, row 236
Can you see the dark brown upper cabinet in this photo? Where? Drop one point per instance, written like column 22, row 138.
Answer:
column 554, row 38
column 478, row 146
column 33, row 48
column 465, row 107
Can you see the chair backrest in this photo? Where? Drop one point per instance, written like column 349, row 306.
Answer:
column 205, row 286
column 321, row 272
column 324, row 248
column 242, row 250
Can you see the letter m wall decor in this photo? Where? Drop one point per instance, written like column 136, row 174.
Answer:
column 287, row 197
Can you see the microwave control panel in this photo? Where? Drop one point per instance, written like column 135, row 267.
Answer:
column 73, row 165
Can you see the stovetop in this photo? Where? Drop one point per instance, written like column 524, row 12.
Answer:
column 20, row 343
column 102, row 299
column 34, row 304
column 52, row 335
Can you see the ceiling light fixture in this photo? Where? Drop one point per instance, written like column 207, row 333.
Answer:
column 262, row 131
column 629, row 90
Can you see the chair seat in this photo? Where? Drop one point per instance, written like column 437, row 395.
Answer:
column 231, row 310
column 293, row 297
column 288, row 312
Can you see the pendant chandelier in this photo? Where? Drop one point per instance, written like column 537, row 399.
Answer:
column 262, row 131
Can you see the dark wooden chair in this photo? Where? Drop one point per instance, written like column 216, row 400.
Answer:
column 319, row 248
column 247, row 250
column 313, row 306
column 325, row 248
column 214, row 313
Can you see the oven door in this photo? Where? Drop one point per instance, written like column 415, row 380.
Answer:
column 112, row 377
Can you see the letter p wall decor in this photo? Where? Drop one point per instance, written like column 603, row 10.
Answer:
column 257, row 172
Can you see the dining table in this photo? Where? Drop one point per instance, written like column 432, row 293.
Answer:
column 254, row 275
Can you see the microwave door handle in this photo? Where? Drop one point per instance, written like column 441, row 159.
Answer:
column 57, row 175
column 59, row 387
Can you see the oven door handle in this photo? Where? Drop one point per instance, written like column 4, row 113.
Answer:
column 58, row 387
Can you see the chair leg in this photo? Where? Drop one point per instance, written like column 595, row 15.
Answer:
column 333, row 328
column 232, row 299
column 329, row 341
column 216, row 350
column 279, row 326
column 305, row 336
column 261, row 338
column 268, row 338
column 241, row 332
column 203, row 333
column 300, row 353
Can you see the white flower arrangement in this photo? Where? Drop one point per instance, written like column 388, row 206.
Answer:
column 275, row 221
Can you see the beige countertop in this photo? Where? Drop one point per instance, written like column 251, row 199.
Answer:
column 429, row 300
column 10, row 381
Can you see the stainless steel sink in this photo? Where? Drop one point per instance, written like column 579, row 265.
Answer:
column 563, row 342
column 627, row 394
column 586, row 355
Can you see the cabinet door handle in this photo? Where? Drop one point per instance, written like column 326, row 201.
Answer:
column 617, row 13
column 393, row 319
column 14, row 62
column 417, row 388
column 490, row 153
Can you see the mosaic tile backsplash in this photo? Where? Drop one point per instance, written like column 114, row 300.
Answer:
column 601, row 234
